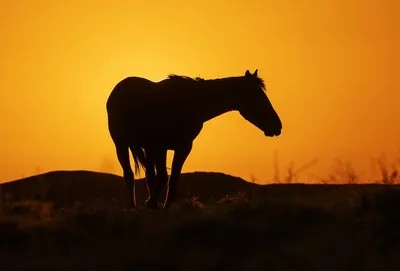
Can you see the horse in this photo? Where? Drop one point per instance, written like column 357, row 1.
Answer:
column 149, row 118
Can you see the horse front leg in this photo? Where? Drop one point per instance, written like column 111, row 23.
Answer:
column 180, row 156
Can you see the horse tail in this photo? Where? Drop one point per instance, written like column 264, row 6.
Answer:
column 139, row 158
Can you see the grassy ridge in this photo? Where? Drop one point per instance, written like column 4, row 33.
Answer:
column 65, row 188
column 274, row 227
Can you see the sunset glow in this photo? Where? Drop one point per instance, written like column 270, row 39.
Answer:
column 331, row 70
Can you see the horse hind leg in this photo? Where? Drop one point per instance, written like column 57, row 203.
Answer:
column 151, row 201
column 162, row 174
column 123, row 158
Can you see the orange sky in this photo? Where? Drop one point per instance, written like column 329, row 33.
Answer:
column 331, row 69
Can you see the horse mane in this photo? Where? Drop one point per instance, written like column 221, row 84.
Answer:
column 181, row 78
column 185, row 78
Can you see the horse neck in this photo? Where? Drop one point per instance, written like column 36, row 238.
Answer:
column 216, row 98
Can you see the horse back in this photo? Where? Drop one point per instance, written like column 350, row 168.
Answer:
column 130, row 89
column 157, row 107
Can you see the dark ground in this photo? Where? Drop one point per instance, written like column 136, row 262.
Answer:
column 75, row 221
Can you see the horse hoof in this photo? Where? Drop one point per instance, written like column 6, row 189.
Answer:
column 130, row 207
column 166, row 206
column 151, row 205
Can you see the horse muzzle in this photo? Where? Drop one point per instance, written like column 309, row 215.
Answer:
column 272, row 133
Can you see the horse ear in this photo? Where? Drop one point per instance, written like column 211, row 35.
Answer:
column 255, row 73
column 247, row 73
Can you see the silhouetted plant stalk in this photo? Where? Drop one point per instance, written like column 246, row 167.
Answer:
column 1, row 200
column 253, row 179
column 387, row 176
column 343, row 172
column 292, row 173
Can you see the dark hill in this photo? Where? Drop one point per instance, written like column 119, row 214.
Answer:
column 64, row 188
column 280, row 227
column 67, row 187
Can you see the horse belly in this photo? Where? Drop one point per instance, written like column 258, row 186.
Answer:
column 167, row 135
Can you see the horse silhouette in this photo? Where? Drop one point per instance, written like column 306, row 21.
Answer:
column 150, row 118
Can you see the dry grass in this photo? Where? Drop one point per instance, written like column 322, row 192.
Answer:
column 276, row 227
column 343, row 172
column 285, row 227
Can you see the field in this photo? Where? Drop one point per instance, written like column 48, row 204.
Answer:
column 76, row 221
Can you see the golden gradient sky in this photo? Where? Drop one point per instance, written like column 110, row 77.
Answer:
column 331, row 69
